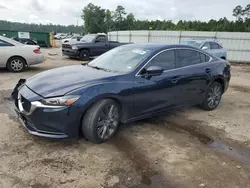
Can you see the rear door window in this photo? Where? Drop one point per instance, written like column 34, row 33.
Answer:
column 214, row 46
column 204, row 58
column 188, row 57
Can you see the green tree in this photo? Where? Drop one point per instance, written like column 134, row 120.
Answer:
column 246, row 11
column 238, row 12
column 93, row 17
column 109, row 23
column 119, row 16
column 130, row 21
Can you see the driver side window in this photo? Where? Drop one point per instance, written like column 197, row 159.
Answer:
column 165, row 60
column 101, row 39
column 206, row 44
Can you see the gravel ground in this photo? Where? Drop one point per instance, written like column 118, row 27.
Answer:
column 183, row 148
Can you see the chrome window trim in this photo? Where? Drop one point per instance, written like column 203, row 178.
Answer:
column 137, row 74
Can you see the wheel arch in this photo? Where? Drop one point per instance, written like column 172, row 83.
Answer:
column 87, row 49
column 221, row 81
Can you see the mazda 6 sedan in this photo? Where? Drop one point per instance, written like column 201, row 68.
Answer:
column 125, row 84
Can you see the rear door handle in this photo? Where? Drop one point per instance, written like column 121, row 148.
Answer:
column 208, row 71
column 175, row 79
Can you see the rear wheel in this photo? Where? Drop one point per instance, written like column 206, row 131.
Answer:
column 213, row 96
column 84, row 55
column 101, row 121
column 16, row 64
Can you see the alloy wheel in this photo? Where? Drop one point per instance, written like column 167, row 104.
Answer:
column 16, row 65
column 214, row 96
column 107, row 122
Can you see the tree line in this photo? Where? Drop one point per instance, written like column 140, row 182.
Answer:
column 15, row 26
column 96, row 19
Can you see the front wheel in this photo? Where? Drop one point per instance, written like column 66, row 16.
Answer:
column 101, row 121
column 213, row 96
column 84, row 55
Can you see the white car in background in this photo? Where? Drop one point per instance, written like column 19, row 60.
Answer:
column 72, row 40
column 17, row 56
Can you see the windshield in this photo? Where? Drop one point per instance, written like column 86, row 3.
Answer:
column 193, row 43
column 88, row 38
column 121, row 59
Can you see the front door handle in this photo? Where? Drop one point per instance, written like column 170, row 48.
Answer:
column 208, row 71
column 175, row 79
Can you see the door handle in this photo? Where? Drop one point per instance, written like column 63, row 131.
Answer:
column 175, row 79
column 208, row 71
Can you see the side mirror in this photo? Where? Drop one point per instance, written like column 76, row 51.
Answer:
column 204, row 48
column 154, row 71
column 97, row 40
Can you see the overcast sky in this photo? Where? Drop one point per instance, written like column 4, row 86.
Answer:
column 68, row 12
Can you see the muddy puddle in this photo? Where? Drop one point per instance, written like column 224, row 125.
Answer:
column 150, row 176
column 202, row 132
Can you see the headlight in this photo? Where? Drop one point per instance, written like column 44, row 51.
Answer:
column 74, row 48
column 61, row 101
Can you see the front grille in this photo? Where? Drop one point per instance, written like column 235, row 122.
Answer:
column 26, row 104
column 66, row 46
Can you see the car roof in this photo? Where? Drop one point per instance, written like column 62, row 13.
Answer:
column 160, row 46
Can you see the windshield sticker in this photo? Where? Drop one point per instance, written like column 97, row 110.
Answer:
column 141, row 52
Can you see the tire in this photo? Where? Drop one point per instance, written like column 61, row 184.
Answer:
column 98, row 125
column 212, row 97
column 16, row 64
column 84, row 55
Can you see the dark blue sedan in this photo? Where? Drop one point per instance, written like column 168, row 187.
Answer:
column 128, row 83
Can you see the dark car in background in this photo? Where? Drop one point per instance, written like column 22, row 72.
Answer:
column 25, row 41
column 127, row 83
column 89, row 46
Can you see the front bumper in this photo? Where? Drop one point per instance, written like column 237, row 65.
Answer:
column 69, row 52
column 42, row 121
column 34, row 131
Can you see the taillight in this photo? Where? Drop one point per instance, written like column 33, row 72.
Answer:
column 37, row 51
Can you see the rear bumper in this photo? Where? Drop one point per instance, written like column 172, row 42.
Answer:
column 37, row 59
column 70, row 52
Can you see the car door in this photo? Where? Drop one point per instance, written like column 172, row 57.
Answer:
column 194, row 75
column 100, row 45
column 215, row 49
column 156, row 93
column 5, row 50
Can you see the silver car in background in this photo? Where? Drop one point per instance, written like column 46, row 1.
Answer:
column 209, row 46
column 16, row 56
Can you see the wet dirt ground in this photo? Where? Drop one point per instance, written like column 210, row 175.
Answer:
column 187, row 147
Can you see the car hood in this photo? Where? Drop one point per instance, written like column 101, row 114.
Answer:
column 59, row 81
